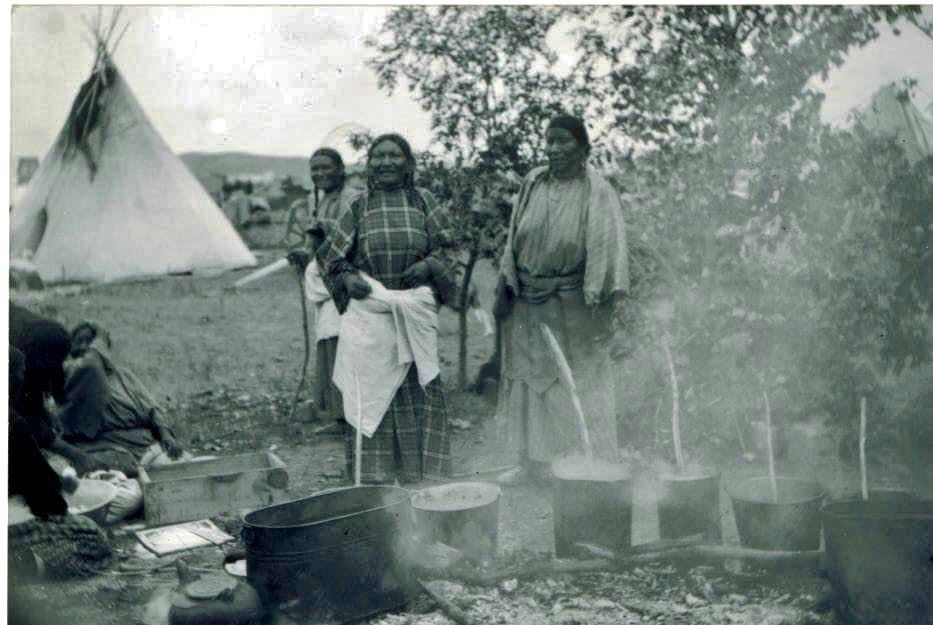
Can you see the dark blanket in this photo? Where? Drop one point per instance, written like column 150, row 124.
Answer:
column 29, row 473
column 45, row 345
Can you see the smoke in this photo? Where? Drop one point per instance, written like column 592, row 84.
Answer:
column 591, row 469
column 454, row 521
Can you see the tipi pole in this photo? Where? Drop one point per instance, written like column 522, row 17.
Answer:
column 114, row 16
column 358, row 447
column 119, row 38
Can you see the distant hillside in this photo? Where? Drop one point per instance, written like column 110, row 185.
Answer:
column 207, row 167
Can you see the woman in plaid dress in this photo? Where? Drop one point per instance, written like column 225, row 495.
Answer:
column 400, row 236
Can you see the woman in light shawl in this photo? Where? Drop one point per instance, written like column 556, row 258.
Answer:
column 332, row 196
column 565, row 265
column 400, row 236
column 108, row 413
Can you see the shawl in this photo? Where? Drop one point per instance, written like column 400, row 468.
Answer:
column 332, row 206
column 606, row 269
column 44, row 345
column 327, row 321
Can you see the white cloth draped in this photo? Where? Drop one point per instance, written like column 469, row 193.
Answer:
column 380, row 337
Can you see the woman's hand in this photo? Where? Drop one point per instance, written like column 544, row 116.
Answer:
column 69, row 478
column 316, row 236
column 50, row 406
column 299, row 259
column 356, row 286
column 171, row 446
column 417, row 275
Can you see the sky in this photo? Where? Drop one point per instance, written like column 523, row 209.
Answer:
column 278, row 80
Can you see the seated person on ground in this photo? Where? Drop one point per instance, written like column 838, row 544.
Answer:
column 107, row 412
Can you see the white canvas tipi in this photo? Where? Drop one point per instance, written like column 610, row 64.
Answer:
column 112, row 201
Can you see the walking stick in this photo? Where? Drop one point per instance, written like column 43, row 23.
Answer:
column 304, row 327
column 358, row 455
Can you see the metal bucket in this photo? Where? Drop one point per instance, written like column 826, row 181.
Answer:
column 791, row 524
column 463, row 515
column 689, row 505
column 598, row 512
column 876, row 494
column 338, row 552
column 879, row 556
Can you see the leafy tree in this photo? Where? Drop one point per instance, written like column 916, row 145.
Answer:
column 871, row 239
column 672, row 76
column 482, row 73
column 708, row 92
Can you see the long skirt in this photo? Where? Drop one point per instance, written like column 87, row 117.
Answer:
column 536, row 417
column 413, row 441
column 327, row 396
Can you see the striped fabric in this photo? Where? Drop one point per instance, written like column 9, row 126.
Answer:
column 382, row 235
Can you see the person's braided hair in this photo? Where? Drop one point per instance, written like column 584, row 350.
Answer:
column 333, row 155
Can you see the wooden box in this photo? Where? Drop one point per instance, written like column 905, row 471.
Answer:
column 205, row 488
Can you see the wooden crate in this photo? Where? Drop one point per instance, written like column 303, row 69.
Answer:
column 196, row 490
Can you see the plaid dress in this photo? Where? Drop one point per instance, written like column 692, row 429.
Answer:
column 382, row 235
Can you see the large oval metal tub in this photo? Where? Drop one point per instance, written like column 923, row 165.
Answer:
column 338, row 552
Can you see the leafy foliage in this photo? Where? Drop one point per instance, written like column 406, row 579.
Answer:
column 673, row 76
column 709, row 95
column 481, row 72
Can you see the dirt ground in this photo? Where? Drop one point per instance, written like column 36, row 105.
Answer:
column 226, row 365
